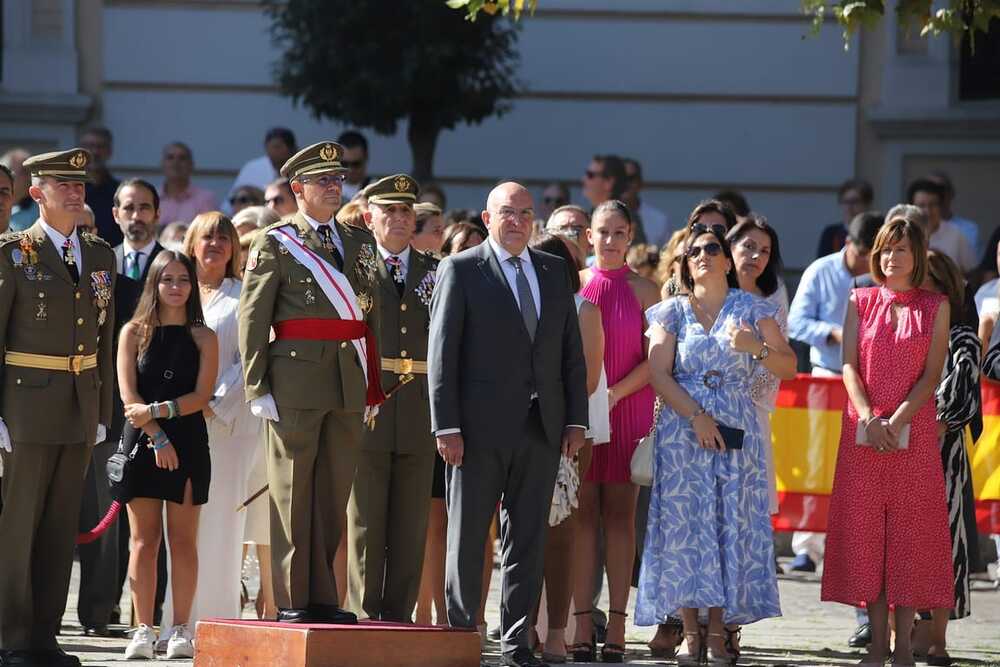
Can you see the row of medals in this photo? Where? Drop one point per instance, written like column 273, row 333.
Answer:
column 26, row 257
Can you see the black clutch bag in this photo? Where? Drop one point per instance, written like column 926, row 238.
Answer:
column 733, row 437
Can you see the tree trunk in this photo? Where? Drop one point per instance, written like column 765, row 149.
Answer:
column 423, row 135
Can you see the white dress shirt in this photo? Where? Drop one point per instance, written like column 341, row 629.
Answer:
column 986, row 297
column 404, row 258
column 258, row 172
column 127, row 251
column 952, row 242
column 58, row 240
column 510, row 273
column 337, row 241
column 655, row 223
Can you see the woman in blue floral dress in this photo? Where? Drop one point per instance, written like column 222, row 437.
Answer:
column 708, row 540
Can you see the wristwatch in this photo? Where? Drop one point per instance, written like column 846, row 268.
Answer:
column 764, row 351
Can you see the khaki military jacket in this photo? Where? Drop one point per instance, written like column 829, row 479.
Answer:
column 304, row 374
column 404, row 420
column 43, row 312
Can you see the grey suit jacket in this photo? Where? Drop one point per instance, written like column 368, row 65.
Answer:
column 483, row 366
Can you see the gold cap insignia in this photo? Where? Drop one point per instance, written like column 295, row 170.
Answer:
column 78, row 161
column 401, row 184
column 328, row 152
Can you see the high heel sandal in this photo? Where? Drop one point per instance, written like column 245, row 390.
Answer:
column 583, row 651
column 674, row 632
column 695, row 650
column 614, row 652
column 725, row 659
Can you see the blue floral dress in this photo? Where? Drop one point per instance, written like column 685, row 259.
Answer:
column 708, row 538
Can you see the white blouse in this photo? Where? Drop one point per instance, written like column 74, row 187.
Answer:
column 232, row 413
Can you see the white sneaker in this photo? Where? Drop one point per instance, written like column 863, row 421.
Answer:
column 142, row 644
column 179, row 645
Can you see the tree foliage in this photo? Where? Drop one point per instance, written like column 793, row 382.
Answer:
column 374, row 63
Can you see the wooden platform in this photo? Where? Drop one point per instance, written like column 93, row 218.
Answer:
column 230, row 643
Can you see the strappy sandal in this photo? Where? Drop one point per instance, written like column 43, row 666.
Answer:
column 676, row 634
column 725, row 658
column 733, row 642
column 695, row 650
column 614, row 652
column 583, row 651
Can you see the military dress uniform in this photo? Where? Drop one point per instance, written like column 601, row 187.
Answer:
column 390, row 498
column 56, row 332
column 318, row 383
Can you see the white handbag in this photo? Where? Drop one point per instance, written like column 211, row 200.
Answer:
column 641, row 466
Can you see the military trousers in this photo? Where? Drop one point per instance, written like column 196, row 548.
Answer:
column 99, row 559
column 311, row 457
column 42, row 487
column 387, row 532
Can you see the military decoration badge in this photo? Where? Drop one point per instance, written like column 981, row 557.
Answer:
column 100, row 286
column 25, row 256
column 425, row 290
column 365, row 302
column 367, row 266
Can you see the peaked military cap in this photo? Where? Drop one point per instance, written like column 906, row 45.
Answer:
column 427, row 209
column 321, row 158
column 395, row 189
column 68, row 165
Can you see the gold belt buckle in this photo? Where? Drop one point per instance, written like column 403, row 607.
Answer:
column 405, row 366
column 76, row 363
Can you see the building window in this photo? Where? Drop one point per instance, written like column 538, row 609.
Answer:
column 979, row 70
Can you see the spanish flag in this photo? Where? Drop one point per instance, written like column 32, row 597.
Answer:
column 805, row 432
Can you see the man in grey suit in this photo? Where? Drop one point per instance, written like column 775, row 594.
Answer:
column 508, row 396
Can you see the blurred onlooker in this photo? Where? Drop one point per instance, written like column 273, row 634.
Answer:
column 644, row 258
column 572, row 222
column 279, row 145
column 244, row 196
column 605, row 179
column 172, row 236
column 253, row 218
column 553, row 196
column 430, row 229
column 6, row 196
column 668, row 272
column 86, row 222
column 279, row 197
column 854, row 196
column 24, row 211
column 245, row 241
column 433, row 194
column 986, row 295
column 968, row 228
column 461, row 236
column 944, row 236
column 653, row 222
column 355, row 158
column 352, row 213
column 136, row 211
column 736, row 201
column 180, row 199
column 102, row 186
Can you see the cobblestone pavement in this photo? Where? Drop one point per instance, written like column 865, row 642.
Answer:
column 809, row 633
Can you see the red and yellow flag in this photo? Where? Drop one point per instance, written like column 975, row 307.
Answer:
column 805, row 431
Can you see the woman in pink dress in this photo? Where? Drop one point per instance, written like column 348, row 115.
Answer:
column 888, row 543
column 607, row 494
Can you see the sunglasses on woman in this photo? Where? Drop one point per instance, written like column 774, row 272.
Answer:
column 711, row 249
column 702, row 228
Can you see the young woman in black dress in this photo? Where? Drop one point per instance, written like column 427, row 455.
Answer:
column 167, row 362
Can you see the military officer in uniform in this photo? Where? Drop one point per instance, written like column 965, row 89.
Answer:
column 390, row 499
column 315, row 281
column 56, row 329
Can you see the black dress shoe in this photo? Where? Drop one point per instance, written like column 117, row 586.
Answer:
column 328, row 613
column 294, row 616
column 521, row 657
column 21, row 659
column 58, row 658
column 862, row 636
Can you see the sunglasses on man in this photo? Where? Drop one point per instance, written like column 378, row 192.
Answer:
column 242, row 200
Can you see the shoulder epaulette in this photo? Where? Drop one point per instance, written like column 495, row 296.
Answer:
column 94, row 239
column 11, row 237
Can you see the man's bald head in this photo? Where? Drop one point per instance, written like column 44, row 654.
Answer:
column 509, row 216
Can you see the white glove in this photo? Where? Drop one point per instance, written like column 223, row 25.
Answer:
column 264, row 408
column 5, row 443
column 102, row 434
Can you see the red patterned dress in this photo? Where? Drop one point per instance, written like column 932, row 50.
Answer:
column 888, row 522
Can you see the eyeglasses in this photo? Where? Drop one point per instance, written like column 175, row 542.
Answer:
column 353, row 164
column 711, row 249
column 325, row 181
column 594, row 174
column 701, row 228
column 275, row 201
column 508, row 213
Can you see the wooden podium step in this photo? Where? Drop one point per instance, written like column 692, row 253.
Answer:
column 231, row 643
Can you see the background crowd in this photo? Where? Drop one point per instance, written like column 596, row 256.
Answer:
column 687, row 330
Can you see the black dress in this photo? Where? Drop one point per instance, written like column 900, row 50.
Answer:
column 167, row 370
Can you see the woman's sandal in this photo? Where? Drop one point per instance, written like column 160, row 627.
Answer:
column 733, row 642
column 675, row 633
column 695, row 650
column 724, row 659
column 614, row 652
column 583, row 651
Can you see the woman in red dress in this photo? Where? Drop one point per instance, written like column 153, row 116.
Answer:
column 888, row 542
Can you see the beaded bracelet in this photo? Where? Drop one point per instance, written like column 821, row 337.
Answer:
column 160, row 441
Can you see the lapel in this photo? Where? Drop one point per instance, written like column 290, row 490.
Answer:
column 490, row 266
column 547, row 290
column 352, row 246
column 149, row 261
column 120, row 259
column 48, row 254
column 415, row 272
